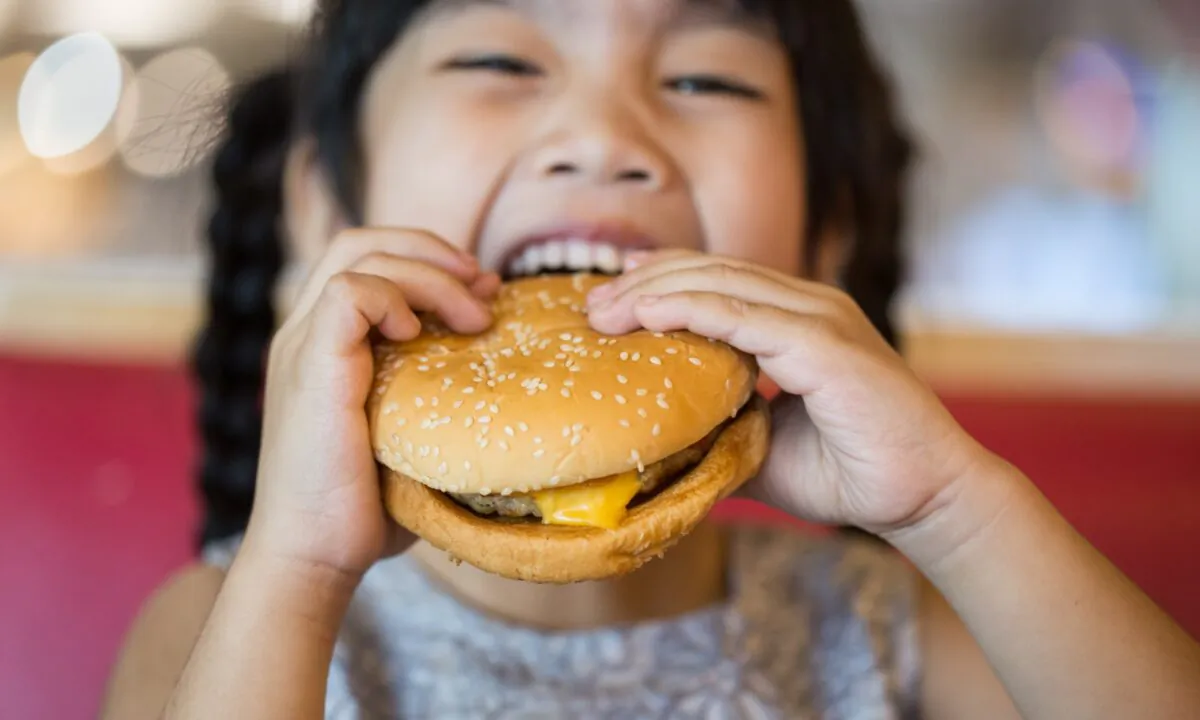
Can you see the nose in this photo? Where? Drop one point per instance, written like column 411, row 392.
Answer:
column 600, row 144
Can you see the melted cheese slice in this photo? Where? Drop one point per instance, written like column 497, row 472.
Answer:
column 597, row 503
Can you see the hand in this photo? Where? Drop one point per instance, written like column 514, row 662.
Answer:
column 318, row 499
column 858, row 439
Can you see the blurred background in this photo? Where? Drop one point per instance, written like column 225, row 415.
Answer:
column 1054, row 298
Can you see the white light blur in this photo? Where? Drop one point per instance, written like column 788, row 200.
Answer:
column 13, row 153
column 70, row 95
column 178, row 98
column 129, row 23
column 288, row 12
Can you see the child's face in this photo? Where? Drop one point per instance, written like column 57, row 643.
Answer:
column 658, row 122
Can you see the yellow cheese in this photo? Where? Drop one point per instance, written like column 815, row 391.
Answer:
column 598, row 503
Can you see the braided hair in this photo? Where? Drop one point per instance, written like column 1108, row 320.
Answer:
column 857, row 156
column 246, row 257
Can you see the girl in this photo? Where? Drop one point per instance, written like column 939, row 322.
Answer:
column 750, row 151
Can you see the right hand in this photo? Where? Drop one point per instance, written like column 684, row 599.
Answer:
column 318, row 498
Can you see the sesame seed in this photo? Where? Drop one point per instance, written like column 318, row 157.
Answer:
column 506, row 492
column 483, row 443
column 727, row 382
column 576, row 440
column 568, row 383
column 419, row 402
column 671, row 351
column 667, row 383
column 423, row 368
column 440, row 365
column 577, row 427
column 548, row 363
column 637, row 356
column 467, row 465
column 468, row 390
column 596, row 394
column 468, row 421
column 458, row 404
column 494, row 408
column 641, row 392
column 565, row 336
column 390, row 408
column 663, row 404
column 539, row 452
column 509, row 431
column 622, row 379
column 401, row 422
column 656, row 430
column 596, row 355
column 623, row 423
column 695, row 361
column 624, row 356
column 504, row 446
column 620, row 399
column 485, row 419
column 523, row 426
column 655, row 361
column 537, row 441
column 565, row 392
column 434, row 401
column 566, row 431
column 642, row 412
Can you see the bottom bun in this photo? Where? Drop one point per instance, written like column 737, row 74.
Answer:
column 556, row 554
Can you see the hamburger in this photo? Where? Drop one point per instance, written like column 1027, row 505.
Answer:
column 544, row 451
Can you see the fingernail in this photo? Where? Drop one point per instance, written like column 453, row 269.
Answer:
column 635, row 259
column 469, row 259
column 600, row 293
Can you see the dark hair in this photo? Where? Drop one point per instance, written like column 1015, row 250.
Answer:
column 857, row 155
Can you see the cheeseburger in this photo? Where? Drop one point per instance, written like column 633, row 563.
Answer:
column 544, row 451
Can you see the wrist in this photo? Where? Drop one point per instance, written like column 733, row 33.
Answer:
column 958, row 523
column 308, row 586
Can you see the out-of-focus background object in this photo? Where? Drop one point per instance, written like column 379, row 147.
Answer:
column 1054, row 301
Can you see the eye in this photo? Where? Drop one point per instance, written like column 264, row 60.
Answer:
column 713, row 85
column 501, row 64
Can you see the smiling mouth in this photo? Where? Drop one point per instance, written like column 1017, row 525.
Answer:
column 569, row 255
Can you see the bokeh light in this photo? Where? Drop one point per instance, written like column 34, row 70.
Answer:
column 290, row 12
column 173, row 127
column 129, row 23
column 70, row 95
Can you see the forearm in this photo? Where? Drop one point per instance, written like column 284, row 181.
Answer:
column 1067, row 633
column 266, row 648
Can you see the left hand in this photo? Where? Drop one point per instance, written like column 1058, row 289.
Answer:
column 858, row 439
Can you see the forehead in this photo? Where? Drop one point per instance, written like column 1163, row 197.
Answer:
column 662, row 15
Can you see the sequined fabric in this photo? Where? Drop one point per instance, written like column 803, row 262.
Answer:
column 814, row 628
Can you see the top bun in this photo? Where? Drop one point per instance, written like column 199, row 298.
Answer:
column 541, row 400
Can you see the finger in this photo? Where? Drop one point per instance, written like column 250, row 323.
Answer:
column 353, row 245
column 353, row 303
column 795, row 350
column 638, row 258
column 661, row 263
column 486, row 286
column 430, row 289
column 745, row 283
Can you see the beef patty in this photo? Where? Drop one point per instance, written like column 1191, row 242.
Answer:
column 651, row 478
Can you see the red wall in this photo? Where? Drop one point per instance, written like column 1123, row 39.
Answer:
column 97, row 508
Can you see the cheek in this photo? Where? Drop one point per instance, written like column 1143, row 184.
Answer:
column 752, row 202
column 436, row 171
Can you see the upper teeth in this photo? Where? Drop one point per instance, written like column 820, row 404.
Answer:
column 570, row 254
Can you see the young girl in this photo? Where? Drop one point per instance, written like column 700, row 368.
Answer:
column 749, row 151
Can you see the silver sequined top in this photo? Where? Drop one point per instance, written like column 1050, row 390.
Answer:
column 814, row 628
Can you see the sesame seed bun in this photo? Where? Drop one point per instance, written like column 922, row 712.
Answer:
column 550, row 554
column 541, row 400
